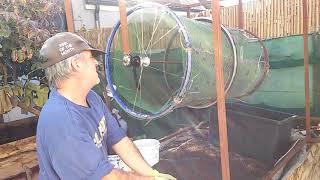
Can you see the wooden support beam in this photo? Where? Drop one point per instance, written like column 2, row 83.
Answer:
column 306, row 69
column 240, row 15
column 124, row 27
column 69, row 15
column 218, row 67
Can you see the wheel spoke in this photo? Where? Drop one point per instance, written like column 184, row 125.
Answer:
column 175, row 75
column 168, row 32
column 165, row 62
column 138, row 89
column 154, row 30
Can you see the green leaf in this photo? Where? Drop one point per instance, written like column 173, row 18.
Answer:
column 5, row 30
column 35, row 65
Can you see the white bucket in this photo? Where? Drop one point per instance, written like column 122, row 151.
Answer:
column 149, row 149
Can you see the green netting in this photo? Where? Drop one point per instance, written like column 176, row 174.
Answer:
column 283, row 88
column 287, row 52
column 252, row 63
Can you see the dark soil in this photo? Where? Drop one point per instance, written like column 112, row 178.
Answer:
column 189, row 156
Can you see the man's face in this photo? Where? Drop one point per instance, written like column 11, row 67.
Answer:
column 88, row 68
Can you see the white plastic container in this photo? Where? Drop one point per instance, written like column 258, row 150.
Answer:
column 149, row 148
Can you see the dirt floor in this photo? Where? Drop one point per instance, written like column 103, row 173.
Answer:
column 188, row 155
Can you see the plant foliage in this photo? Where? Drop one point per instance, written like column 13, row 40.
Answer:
column 24, row 26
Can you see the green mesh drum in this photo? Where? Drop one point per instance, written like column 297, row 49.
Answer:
column 171, row 63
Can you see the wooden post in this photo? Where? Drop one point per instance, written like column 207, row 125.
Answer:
column 188, row 13
column 124, row 27
column 69, row 16
column 306, row 68
column 223, row 135
column 240, row 15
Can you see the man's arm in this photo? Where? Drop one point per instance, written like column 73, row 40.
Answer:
column 117, row 174
column 132, row 157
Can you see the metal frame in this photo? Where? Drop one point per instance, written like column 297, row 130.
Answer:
column 220, row 86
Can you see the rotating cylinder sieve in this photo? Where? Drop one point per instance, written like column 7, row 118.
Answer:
column 171, row 63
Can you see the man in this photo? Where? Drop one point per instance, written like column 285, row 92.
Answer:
column 75, row 128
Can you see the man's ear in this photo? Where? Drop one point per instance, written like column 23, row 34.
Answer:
column 75, row 66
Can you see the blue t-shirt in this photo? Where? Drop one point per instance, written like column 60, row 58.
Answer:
column 72, row 140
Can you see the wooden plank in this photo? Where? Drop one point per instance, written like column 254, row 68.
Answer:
column 272, row 26
column 310, row 10
column 316, row 16
column 292, row 6
column 295, row 19
column 257, row 19
column 314, row 22
column 280, row 18
column 276, row 18
column 287, row 16
column 269, row 13
column 17, row 155
column 291, row 17
column 298, row 17
column 233, row 16
column 249, row 17
column 265, row 19
column 262, row 20
column 309, row 18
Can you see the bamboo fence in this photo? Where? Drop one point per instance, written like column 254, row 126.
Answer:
column 265, row 18
column 273, row 18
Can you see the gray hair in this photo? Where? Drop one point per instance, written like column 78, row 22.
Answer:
column 60, row 71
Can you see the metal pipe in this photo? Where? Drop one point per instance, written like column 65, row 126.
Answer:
column 69, row 16
column 124, row 27
column 223, row 135
column 306, row 69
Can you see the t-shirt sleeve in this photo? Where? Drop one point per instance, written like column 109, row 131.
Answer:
column 77, row 157
column 115, row 133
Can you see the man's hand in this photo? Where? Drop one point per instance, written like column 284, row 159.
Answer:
column 161, row 176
